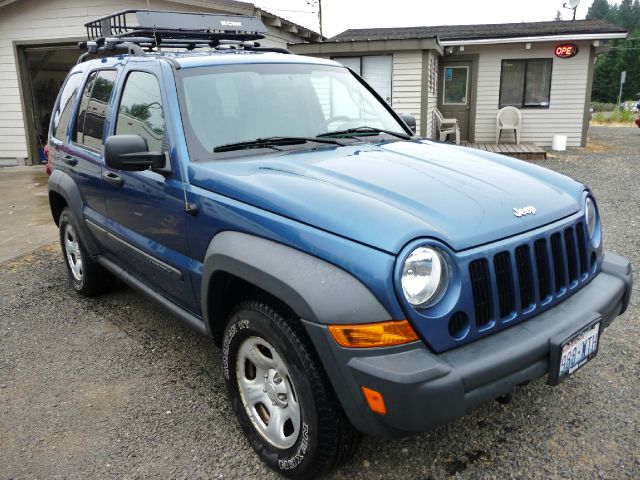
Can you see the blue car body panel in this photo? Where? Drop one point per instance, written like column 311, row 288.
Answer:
column 360, row 207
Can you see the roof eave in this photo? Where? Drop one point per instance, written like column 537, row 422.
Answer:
column 361, row 46
column 533, row 39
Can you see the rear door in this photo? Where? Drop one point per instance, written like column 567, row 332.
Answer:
column 83, row 156
column 454, row 100
column 146, row 214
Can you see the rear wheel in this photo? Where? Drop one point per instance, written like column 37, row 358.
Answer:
column 85, row 275
column 281, row 395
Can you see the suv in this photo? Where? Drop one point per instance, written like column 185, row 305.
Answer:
column 358, row 278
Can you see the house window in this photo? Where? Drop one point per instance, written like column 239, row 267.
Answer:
column 456, row 85
column 526, row 83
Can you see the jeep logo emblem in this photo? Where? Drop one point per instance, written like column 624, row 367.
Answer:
column 521, row 212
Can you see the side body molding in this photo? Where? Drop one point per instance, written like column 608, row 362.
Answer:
column 63, row 184
column 315, row 290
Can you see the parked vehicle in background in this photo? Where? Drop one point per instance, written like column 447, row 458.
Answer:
column 358, row 278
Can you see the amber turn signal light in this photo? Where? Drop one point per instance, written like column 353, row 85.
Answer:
column 368, row 335
column 375, row 401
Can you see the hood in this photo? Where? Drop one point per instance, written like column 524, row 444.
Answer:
column 386, row 195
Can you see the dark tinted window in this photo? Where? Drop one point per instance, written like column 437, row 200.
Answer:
column 93, row 108
column 526, row 83
column 141, row 111
column 62, row 113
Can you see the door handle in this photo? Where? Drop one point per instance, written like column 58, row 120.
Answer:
column 113, row 178
column 69, row 160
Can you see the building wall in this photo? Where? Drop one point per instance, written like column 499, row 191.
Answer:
column 565, row 114
column 406, row 83
column 49, row 20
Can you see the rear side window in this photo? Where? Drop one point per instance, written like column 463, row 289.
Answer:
column 141, row 111
column 93, row 108
column 62, row 113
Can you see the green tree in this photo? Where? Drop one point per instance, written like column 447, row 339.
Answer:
column 599, row 9
column 624, row 55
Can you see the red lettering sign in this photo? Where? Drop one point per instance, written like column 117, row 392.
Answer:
column 566, row 51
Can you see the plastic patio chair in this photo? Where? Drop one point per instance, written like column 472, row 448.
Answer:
column 509, row 118
column 446, row 126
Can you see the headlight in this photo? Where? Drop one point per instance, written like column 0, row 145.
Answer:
column 424, row 276
column 591, row 219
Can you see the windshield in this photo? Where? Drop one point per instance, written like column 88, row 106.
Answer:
column 224, row 105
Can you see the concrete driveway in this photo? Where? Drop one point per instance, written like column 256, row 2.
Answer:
column 25, row 219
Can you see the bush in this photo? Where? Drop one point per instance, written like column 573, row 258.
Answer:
column 617, row 116
column 603, row 107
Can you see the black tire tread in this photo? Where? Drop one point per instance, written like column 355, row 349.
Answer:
column 96, row 278
column 339, row 439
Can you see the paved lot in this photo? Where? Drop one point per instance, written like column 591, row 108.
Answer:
column 115, row 388
column 25, row 219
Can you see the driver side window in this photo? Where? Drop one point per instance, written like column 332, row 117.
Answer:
column 141, row 112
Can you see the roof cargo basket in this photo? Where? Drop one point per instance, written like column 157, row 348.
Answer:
column 175, row 27
column 137, row 30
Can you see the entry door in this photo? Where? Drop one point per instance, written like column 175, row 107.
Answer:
column 454, row 100
column 376, row 70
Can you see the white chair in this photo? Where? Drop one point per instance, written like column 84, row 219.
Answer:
column 509, row 118
column 446, row 126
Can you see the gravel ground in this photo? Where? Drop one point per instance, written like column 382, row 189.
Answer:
column 115, row 388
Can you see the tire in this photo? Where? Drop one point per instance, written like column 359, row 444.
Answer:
column 305, row 445
column 85, row 275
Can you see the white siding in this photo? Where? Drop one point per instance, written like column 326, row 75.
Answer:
column 407, row 83
column 60, row 19
column 568, row 91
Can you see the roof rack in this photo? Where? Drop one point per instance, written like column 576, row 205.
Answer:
column 136, row 30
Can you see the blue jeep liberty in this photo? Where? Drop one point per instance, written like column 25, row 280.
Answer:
column 357, row 278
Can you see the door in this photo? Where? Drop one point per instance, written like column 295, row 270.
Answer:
column 146, row 213
column 83, row 155
column 454, row 100
column 376, row 70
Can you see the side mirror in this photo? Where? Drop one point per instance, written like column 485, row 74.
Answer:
column 409, row 120
column 131, row 153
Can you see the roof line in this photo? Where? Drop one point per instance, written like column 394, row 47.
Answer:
column 540, row 38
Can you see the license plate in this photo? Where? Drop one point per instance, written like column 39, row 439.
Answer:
column 578, row 350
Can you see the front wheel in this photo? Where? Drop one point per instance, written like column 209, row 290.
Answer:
column 281, row 395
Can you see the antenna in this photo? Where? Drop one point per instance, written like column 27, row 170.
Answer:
column 572, row 5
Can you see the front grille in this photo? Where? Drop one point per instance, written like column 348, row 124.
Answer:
column 528, row 275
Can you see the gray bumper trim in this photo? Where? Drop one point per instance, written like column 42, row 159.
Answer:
column 423, row 390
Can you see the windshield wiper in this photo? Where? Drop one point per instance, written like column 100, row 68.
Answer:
column 272, row 142
column 366, row 130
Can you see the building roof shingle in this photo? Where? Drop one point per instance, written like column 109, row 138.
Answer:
column 478, row 32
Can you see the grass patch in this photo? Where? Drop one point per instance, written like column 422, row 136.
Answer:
column 617, row 116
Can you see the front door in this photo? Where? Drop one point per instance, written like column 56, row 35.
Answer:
column 146, row 209
column 454, row 100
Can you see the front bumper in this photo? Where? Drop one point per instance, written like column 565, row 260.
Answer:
column 423, row 390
